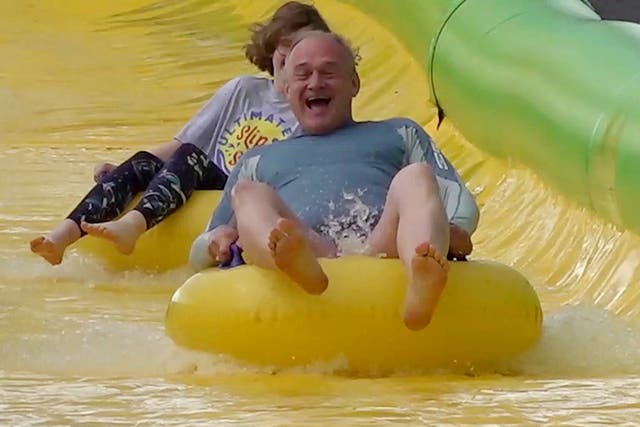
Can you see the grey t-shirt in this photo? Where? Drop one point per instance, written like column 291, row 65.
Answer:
column 246, row 112
column 342, row 179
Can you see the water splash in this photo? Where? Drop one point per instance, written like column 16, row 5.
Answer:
column 583, row 340
column 85, row 270
column 349, row 231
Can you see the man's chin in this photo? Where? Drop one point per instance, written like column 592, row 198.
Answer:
column 319, row 127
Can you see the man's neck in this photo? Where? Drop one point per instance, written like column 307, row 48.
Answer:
column 346, row 123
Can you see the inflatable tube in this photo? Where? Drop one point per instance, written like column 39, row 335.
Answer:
column 165, row 246
column 488, row 312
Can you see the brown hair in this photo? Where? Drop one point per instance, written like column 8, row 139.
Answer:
column 289, row 18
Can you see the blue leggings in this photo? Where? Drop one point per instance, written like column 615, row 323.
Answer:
column 167, row 186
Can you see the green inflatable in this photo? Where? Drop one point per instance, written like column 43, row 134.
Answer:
column 546, row 83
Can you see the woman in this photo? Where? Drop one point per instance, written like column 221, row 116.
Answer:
column 245, row 112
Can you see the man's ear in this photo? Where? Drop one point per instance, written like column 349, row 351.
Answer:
column 285, row 87
column 355, row 82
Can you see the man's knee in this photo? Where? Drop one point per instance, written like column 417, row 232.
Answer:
column 246, row 190
column 412, row 174
column 421, row 169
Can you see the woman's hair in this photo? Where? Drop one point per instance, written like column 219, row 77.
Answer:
column 289, row 18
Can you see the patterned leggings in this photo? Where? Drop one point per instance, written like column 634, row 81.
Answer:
column 166, row 186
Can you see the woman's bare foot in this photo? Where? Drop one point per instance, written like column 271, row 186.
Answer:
column 48, row 250
column 123, row 232
column 52, row 246
column 293, row 255
column 427, row 278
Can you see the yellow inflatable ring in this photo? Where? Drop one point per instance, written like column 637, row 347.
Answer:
column 165, row 246
column 488, row 312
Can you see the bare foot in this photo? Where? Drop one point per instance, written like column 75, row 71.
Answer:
column 293, row 255
column 123, row 232
column 427, row 278
column 52, row 246
column 48, row 250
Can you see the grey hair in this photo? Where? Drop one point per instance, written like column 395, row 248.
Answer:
column 352, row 54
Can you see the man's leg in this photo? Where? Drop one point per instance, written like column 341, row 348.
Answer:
column 414, row 227
column 105, row 201
column 273, row 237
column 187, row 169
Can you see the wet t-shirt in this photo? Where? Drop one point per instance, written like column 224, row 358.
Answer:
column 341, row 179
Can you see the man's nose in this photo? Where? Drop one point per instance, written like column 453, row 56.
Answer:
column 316, row 80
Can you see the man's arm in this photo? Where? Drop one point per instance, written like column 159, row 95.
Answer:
column 245, row 169
column 222, row 223
column 213, row 247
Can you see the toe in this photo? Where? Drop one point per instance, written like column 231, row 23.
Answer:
column 35, row 243
column 287, row 226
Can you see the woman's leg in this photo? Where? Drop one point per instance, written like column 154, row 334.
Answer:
column 105, row 201
column 187, row 169
column 414, row 228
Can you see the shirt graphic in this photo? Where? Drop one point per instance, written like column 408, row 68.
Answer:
column 248, row 131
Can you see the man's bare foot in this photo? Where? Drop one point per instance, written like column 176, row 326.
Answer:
column 293, row 255
column 427, row 278
column 52, row 246
column 48, row 250
column 123, row 232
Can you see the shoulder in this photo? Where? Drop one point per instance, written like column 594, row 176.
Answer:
column 401, row 122
column 410, row 131
column 394, row 123
column 251, row 83
column 254, row 89
column 406, row 128
column 244, row 84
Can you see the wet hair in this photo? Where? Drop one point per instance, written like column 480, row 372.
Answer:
column 352, row 54
column 266, row 36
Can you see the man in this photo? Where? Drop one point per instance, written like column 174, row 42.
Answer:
column 280, row 199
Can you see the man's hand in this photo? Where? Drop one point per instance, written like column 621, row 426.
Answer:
column 102, row 169
column 459, row 242
column 220, row 240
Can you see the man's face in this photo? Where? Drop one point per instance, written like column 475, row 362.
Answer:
column 320, row 84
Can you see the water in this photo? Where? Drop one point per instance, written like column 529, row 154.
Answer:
column 349, row 231
column 83, row 82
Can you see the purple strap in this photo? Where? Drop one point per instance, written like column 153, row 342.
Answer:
column 236, row 258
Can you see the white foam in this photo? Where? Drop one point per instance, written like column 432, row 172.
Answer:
column 582, row 340
column 349, row 231
column 83, row 269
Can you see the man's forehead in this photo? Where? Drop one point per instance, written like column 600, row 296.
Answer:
column 310, row 47
column 322, row 61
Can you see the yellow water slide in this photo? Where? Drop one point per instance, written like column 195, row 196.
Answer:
column 571, row 254
column 89, row 81
column 111, row 78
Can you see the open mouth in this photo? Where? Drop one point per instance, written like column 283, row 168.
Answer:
column 317, row 103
